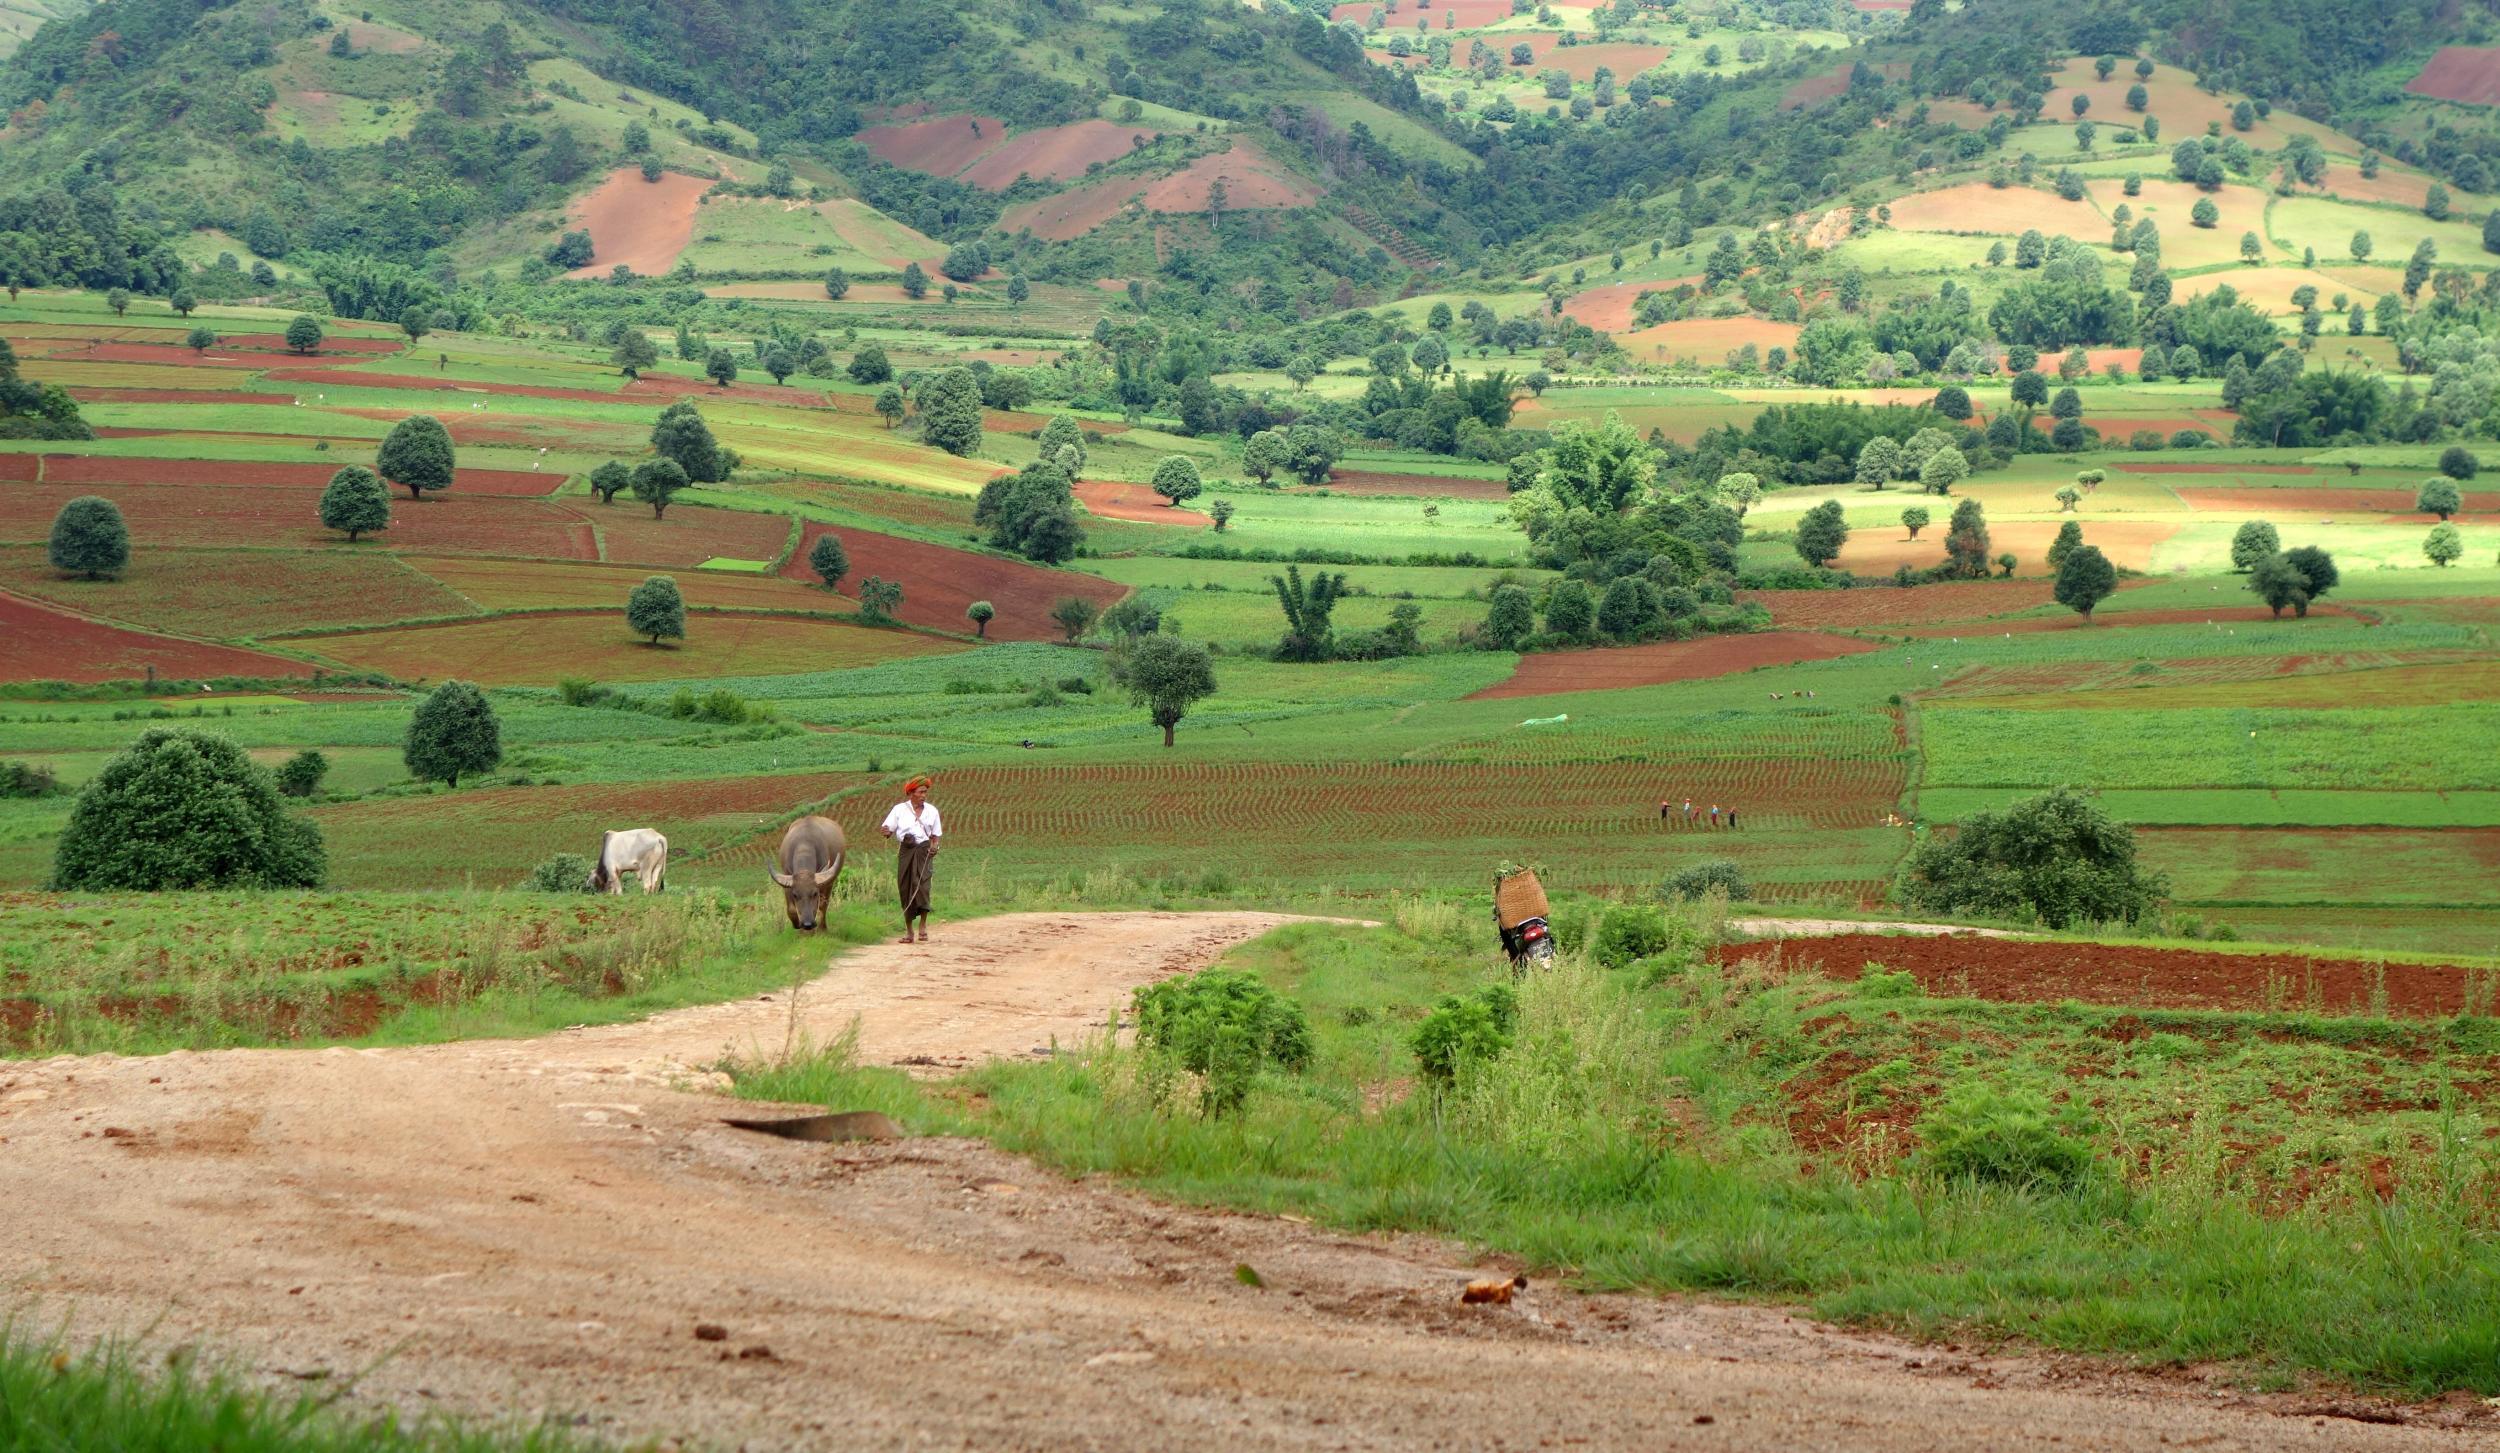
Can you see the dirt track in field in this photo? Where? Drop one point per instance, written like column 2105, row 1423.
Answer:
column 516, row 1227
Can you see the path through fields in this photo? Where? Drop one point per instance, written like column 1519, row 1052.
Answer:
column 502, row 1226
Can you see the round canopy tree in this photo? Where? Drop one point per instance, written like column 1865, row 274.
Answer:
column 2056, row 858
column 454, row 734
column 356, row 501
column 417, row 456
column 1176, row 479
column 2084, row 579
column 2439, row 497
column 829, row 560
column 657, row 610
column 1167, row 676
column 184, row 809
column 89, row 538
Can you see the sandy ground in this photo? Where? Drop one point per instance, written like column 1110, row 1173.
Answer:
column 512, row 1228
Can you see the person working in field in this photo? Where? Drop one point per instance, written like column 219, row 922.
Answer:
column 913, row 824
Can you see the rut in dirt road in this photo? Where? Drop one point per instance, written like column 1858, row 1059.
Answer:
column 508, row 1228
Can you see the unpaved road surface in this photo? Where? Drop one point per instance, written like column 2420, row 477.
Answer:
column 522, row 1227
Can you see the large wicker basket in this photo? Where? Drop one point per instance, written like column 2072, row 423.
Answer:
column 1518, row 898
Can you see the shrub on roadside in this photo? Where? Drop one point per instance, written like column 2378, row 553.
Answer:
column 1224, row 1026
column 184, row 809
column 2012, row 1137
column 1465, row 1029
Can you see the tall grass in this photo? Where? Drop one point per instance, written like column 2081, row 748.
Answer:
column 110, row 1397
column 1633, row 1136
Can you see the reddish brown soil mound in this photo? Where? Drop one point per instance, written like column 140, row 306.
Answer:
column 643, row 225
column 939, row 145
column 1441, row 486
column 939, row 583
column 1963, row 600
column 670, row 386
column 41, row 644
column 1550, row 672
column 2026, row 971
column 2468, row 73
column 1608, row 307
column 1114, row 500
column 96, row 469
column 1054, row 153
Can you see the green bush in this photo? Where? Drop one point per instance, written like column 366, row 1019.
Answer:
column 1225, row 1026
column 301, row 774
column 2009, row 1137
column 183, row 809
column 1465, row 1029
column 1877, row 982
column 1697, row 880
column 20, row 780
column 563, row 873
column 1628, row 934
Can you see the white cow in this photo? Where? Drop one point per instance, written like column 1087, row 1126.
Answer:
column 636, row 850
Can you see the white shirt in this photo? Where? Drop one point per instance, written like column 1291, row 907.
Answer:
column 910, row 829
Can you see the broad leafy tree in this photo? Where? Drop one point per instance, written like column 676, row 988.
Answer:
column 829, row 560
column 981, row 613
column 656, row 483
column 950, row 411
column 2443, row 545
column 184, row 810
column 1167, row 676
column 417, row 456
column 2085, row 578
column 1821, row 533
column 89, row 538
column 656, row 610
column 2253, row 542
column 356, row 501
column 2439, row 497
column 453, row 735
column 2056, row 858
column 1176, row 479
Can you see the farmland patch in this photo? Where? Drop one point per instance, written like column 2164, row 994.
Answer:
column 638, row 224
column 541, row 649
column 938, row 583
column 38, row 643
column 1548, row 673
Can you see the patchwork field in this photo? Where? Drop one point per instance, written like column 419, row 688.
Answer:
column 540, row 648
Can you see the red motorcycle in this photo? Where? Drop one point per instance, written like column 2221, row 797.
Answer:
column 1519, row 911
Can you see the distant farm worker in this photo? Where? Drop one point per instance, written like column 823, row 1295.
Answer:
column 1665, row 809
column 1689, row 810
column 1714, row 814
column 914, row 826
column 1731, row 819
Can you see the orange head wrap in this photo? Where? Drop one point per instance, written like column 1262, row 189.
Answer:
column 918, row 784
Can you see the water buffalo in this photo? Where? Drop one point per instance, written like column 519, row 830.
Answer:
column 811, row 854
column 636, row 850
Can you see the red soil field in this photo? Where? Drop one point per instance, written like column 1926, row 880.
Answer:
column 211, row 514
column 1251, row 180
column 1114, row 500
column 41, row 644
column 2128, row 543
column 1978, row 207
column 938, row 145
column 21, row 468
column 938, row 583
column 1549, row 672
column 548, row 584
column 2405, row 189
column 335, row 343
column 2468, row 73
column 1961, row 600
column 414, row 381
column 1580, row 62
column 1708, row 340
column 643, row 225
column 669, row 386
column 2027, row 971
column 1053, row 154
column 182, row 357
column 101, row 469
column 688, row 536
column 543, row 648
column 236, row 594
column 1439, row 486
column 1608, row 306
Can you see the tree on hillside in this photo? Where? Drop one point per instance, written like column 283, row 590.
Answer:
column 2069, row 540
column 1914, row 519
column 1019, row 291
column 780, row 362
column 950, row 411
column 2435, row 203
column 610, row 480
column 1301, row 370
column 2443, row 545
column 2056, row 858
column 182, row 302
column 453, row 735
column 656, row 482
column 2459, row 463
column 915, row 281
column 1309, row 609
column 837, row 284
column 89, row 538
column 2439, row 497
column 2204, row 213
column 2068, row 498
column 356, row 501
column 179, row 810
column 1952, row 401
column 1944, row 469
column 2085, row 578
column 721, row 367
column 303, row 333
column 1176, row 479
column 2491, row 230
column 2254, row 541
column 869, row 365
column 1063, row 436
column 981, row 613
column 1074, row 615
column 2138, row 98
column 201, row 339
column 1879, row 461
column 417, row 456
column 416, row 321
column 1167, row 676
column 680, row 434
column 117, row 299
column 879, row 599
column 891, row 405
column 1966, row 542
column 1512, row 618
column 634, row 352
column 1821, row 532
column 829, row 560
column 656, row 610
column 2029, row 389
column 2295, row 578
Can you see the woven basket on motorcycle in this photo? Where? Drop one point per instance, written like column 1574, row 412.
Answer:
column 1518, row 897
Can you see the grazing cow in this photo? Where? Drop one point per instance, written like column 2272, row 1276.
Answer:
column 636, row 850
column 811, row 854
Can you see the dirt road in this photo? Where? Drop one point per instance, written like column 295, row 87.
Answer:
column 525, row 1226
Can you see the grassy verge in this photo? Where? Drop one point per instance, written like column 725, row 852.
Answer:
column 2304, row 1197
column 53, row 1400
column 82, row 974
